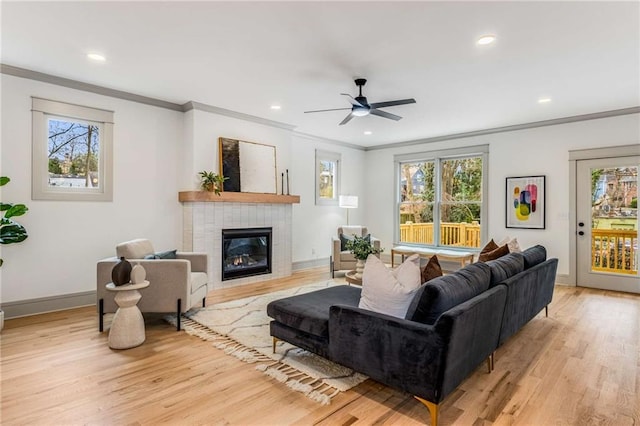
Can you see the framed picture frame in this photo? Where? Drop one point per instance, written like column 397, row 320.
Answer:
column 249, row 166
column 525, row 202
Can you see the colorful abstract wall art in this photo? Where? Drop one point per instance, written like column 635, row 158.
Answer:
column 525, row 202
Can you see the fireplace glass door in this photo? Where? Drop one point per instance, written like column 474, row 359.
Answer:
column 245, row 252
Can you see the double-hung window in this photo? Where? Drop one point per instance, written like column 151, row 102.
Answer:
column 440, row 197
column 72, row 152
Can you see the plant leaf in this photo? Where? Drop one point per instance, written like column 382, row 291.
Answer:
column 13, row 233
column 16, row 210
column 4, row 180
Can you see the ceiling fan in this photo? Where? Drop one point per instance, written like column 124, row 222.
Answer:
column 360, row 107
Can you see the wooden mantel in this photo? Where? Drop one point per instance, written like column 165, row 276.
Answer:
column 236, row 197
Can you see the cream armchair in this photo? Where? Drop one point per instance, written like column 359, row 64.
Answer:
column 175, row 285
column 343, row 259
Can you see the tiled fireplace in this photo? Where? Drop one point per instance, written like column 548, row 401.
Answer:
column 205, row 220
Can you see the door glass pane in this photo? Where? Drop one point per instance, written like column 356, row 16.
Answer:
column 416, row 202
column 461, row 195
column 614, row 220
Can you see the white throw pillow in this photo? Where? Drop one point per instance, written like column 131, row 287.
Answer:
column 512, row 243
column 389, row 291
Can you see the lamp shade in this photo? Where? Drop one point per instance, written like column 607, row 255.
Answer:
column 348, row 201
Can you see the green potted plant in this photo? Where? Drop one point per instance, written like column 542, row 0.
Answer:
column 10, row 231
column 211, row 182
column 361, row 248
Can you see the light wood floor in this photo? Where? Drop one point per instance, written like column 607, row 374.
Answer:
column 580, row 366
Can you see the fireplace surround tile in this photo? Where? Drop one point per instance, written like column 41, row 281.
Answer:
column 202, row 232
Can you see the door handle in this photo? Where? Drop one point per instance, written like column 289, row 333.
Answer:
column 581, row 224
column 580, row 233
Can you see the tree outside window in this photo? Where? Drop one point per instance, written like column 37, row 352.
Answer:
column 441, row 201
column 327, row 177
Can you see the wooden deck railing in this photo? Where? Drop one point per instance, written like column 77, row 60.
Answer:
column 614, row 250
column 451, row 234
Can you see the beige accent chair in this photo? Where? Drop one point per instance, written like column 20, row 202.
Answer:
column 342, row 260
column 175, row 285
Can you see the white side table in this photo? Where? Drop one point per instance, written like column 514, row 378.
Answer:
column 127, row 327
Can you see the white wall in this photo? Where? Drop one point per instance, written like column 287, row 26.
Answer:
column 67, row 238
column 313, row 226
column 540, row 151
column 158, row 152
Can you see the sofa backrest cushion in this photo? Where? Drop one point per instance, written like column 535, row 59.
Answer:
column 134, row 249
column 442, row 293
column 534, row 255
column 505, row 267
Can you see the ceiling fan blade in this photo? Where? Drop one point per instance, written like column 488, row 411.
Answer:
column 325, row 110
column 346, row 119
column 384, row 114
column 393, row 103
column 352, row 99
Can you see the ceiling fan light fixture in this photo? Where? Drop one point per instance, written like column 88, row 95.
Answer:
column 96, row 57
column 486, row 39
column 359, row 111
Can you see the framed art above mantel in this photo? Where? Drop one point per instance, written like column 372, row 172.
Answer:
column 249, row 166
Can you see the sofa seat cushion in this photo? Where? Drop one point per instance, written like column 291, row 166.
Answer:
column 309, row 312
column 443, row 293
column 198, row 279
column 534, row 256
column 505, row 267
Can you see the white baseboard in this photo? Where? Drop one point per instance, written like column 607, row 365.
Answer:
column 23, row 308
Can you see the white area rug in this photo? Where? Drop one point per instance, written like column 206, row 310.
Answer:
column 241, row 328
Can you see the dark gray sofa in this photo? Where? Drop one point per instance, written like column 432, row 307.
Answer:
column 453, row 324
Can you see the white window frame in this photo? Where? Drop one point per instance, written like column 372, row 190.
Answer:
column 44, row 109
column 437, row 157
column 337, row 159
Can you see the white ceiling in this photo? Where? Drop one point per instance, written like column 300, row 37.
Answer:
column 246, row 56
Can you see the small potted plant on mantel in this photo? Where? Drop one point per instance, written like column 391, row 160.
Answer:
column 361, row 248
column 211, row 182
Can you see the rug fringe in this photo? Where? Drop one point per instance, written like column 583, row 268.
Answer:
column 313, row 388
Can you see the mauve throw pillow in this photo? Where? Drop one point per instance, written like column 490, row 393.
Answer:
column 389, row 291
column 495, row 254
column 431, row 270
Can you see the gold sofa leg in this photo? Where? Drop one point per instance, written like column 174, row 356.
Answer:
column 491, row 362
column 433, row 410
column 275, row 340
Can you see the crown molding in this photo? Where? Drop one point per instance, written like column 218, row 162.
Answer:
column 512, row 128
column 329, row 141
column 86, row 87
column 234, row 114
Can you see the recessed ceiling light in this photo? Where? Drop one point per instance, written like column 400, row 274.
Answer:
column 276, row 107
column 544, row 100
column 486, row 39
column 368, row 132
column 96, row 57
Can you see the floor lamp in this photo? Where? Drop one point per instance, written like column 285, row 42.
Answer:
column 348, row 202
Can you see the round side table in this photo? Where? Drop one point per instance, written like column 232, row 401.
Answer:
column 127, row 326
column 351, row 278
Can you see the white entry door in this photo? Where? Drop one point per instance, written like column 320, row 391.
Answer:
column 607, row 223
